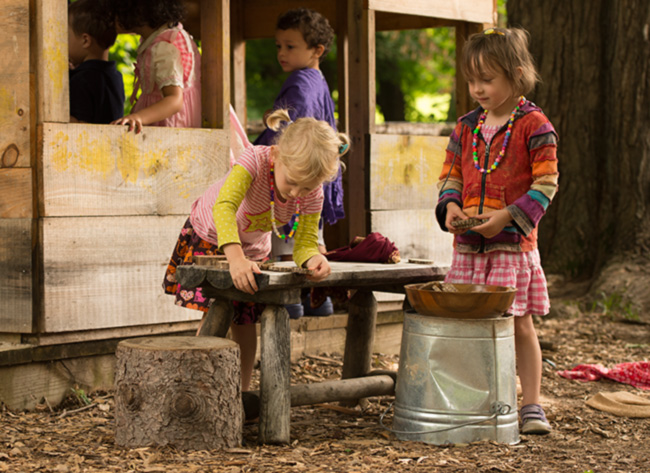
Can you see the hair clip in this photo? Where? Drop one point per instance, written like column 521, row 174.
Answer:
column 343, row 147
column 494, row 31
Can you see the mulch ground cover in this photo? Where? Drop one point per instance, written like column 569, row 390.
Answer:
column 78, row 436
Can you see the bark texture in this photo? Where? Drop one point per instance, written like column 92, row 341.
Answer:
column 594, row 59
column 178, row 391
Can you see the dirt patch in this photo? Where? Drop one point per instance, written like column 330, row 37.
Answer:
column 332, row 439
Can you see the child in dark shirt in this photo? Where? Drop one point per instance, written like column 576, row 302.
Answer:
column 96, row 86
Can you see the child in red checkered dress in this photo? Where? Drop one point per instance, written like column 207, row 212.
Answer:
column 501, row 167
column 168, row 69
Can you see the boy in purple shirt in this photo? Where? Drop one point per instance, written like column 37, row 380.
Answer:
column 303, row 38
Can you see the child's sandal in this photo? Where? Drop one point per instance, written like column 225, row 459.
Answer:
column 533, row 420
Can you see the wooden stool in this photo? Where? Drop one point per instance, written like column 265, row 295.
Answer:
column 179, row 391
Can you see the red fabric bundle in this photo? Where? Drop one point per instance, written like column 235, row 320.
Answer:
column 375, row 248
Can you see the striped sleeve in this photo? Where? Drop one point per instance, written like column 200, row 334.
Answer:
column 529, row 209
column 228, row 201
column 450, row 183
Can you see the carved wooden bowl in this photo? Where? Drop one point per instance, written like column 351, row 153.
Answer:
column 460, row 301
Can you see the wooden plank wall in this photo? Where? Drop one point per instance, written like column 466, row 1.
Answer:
column 16, row 174
column 113, row 204
column 404, row 170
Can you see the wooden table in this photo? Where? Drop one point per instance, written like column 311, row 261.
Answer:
column 276, row 289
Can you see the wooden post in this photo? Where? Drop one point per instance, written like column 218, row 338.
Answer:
column 362, row 90
column 238, row 73
column 464, row 102
column 179, row 391
column 216, row 322
column 215, row 63
column 360, row 336
column 275, row 402
column 52, row 61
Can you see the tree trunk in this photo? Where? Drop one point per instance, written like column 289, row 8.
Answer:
column 594, row 59
column 178, row 391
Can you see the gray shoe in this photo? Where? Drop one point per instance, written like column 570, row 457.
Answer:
column 533, row 420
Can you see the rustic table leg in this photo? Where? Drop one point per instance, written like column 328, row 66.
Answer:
column 217, row 320
column 275, row 372
column 360, row 337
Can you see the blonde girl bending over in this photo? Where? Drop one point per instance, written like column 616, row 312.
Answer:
column 265, row 188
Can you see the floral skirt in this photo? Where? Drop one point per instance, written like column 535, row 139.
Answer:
column 504, row 268
column 188, row 245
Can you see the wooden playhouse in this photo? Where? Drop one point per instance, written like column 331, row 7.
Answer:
column 89, row 213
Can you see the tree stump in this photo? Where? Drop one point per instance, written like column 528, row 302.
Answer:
column 178, row 391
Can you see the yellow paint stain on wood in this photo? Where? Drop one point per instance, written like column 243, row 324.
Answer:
column 410, row 161
column 61, row 156
column 7, row 106
column 404, row 170
column 57, row 61
column 134, row 159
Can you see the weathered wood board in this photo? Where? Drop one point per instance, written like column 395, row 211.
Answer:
column 261, row 15
column 464, row 10
column 102, row 272
column 14, row 84
column 51, row 39
column 415, row 232
column 16, row 273
column 404, row 171
column 98, row 170
column 16, row 193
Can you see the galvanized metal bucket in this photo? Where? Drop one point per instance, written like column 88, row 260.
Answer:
column 456, row 381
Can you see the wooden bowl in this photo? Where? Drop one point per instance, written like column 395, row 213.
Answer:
column 470, row 301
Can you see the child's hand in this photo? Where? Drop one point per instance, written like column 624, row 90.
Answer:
column 454, row 212
column 242, row 272
column 496, row 221
column 320, row 267
column 133, row 121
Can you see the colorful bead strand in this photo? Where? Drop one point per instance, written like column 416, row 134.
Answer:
column 296, row 215
column 502, row 153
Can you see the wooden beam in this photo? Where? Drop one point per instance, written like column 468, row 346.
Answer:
column 361, row 86
column 476, row 11
column 16, row 193
column 464, row 103
column 396, row 22
column 215, row 63
column 238, row 73
column 261, row 15
column 53, row 102
column 15, row 85
column 16, row 262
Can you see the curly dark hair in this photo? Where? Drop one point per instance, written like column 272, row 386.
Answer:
column 89, row 17
column 153, row 13
column 314, row 27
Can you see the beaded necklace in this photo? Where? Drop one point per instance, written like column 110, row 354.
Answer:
column 502, row 153
column 296, row 215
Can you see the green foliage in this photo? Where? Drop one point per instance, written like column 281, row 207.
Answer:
column 423, row 63
column 81, row 396
column 615, row 306
column 124, row 53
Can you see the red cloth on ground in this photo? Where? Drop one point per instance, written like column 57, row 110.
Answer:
column 635, row 373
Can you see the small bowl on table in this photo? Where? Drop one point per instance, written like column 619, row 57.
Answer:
column 460, row 301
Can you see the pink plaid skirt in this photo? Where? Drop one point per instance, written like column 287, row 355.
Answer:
column 503, row 268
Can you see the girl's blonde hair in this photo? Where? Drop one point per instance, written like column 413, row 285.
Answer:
column 309, row 149
column 501, row 48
